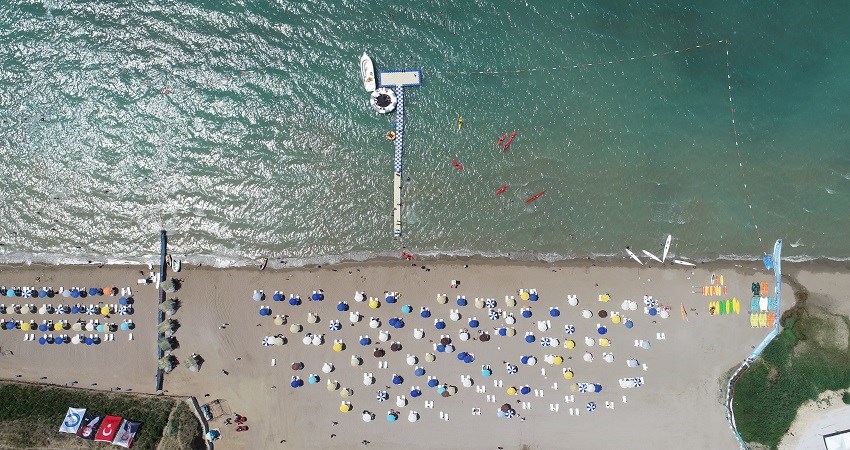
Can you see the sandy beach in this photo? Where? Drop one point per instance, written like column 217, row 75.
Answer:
column 681, row 398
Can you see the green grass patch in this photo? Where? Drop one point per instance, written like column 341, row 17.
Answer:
column 30, row 416
column 796, row 367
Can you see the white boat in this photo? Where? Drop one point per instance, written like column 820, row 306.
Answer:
column 367, row 72
column 666, row 247
column 634, row 257
column 176, row 264
column 651, row 256
column 684, row 263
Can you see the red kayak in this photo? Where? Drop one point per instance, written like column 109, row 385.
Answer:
column 534, row 197
column 510, row 139
column 502, row 190
column 457, row 165
column 501, row 139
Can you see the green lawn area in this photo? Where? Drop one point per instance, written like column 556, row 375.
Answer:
column 30, row 416
column 808, row 357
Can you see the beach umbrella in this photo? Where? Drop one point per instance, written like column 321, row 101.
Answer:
column 483, row 337
column 374, row 322
column 383, row 336
column 332, row 385
column 510, row 319
column 450, row 348
column 461, row 356
column 664, row 313
column 586, row 314
column 625, row 305
column 277, row 297
column 529, row 338
column 490, row 303
column 511, row 369
column 279, row 340
column 75, row 340
column 558, row 360
column 532, row 297
column 399, row 323
column 278, row 320
column 425, row 313
column 644, row 344
column 589, row 341
column 413, row 416
column 418, row 333
column 412, row 360
column 342, row 307
column 511, row 331
column 312, row 317
column 441, row 348
column 503, row 331
column 554, row 312
column 374, row 303
column 396, row 346
column 338, row 346
column 316, row 296
column 392, row 417
column 92, row 291
column 467, row 382
column 104, row 310
column 608, row 357
column 379, row 353
column 433, row 382
column 473, row 323
column 574, row 387
column 591, row 407
column 42, row 293
column 390, row 298
column 10, row 293
column 25, row 326
column 615, row 318
column 505, row 407
column 525, row 390
column 633, row 306
column 367, row 416
column 294, row 301
column 419, row 372
column 122, row 301
column 493, row 314
column 454, row 316
column 583, row 388
column 524, row 359
column 295, row 328
column 602, row 330
column 568, row 374
column 628, row 323
column 523, row 295
column 631, row 362
column 89, row 341
column 296, row 382
column 439, row 324
column 653, row 311
column 345, row 407
column 100, row 328
column 400, row 401
column 318, row 339
column 531, row 361
column 461, row 301
column 75, row 309
column 511, row 391
column 393, row 321
column 406, row 309
column 257, row 296
column 588, row 356
column 359, row 296
column 526, row 312
column 479, row 302
column 335, row 325
column 415, row 392
column 313, row 379
column 66, row 293
column 602, row 313
column 42, row 340
column 510, row 301
column 42, row 327
column 486, row 372
column 430, row 357
column 442, row 299
column 364, row 340
column 382, row 396
column 604, row 342
column 77, row 326
column 542, row 325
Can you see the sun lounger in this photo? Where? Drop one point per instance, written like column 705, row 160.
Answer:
column 771, row 303
column 763, row 320
column 131, row 337
column 753, row 319
column 771, row 319
column 764, row 289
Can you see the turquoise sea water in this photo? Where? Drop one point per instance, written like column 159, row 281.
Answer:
column 243, row 128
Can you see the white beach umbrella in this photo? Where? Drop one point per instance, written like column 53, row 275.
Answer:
column 318, row 339
column 510, row 301
column 664, row 314
column 356, row 360
column 467, row 382
column 589, row 341
column 549, row 358
column 455, row 315
column 327, row 367
column 532, row 360
column 413, row 416
column 359, row 296
column 278, row 341
column 374, row 322
column 644, row 344
column 633, row 306
column 308, row 339
column 368, row 379
column 625, row 305
column 542, row 325
column 588, row 356
column 383, row 336
column 586, row 314
column 608, row 357
column 296, row 328
column 631, row 362
column 418, row 333
column 401, row 401
column 75, row 339
column 510, row 319
column 354, row 316
column 412, row 360
column 479, row 302
column 572, row 300
column 367, row 416
column 464, row 335
column 430, row 357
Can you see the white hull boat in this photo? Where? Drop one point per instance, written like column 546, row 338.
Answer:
column 634, row 257
column 666, row 247
column 367, row 72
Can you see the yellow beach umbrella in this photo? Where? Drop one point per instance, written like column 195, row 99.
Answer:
column 523, row 295
column 568, row 374
column 442, row 299
column 278, row 320
column 569, row 343
column 338, row 346
column 345, row 407
column 574, row 387
column 104, row 310
column 616, row 318
column 374, row 303
column 604, row 342
column 558, row 360
column 57, row 326
column 511, row 391
column 25, row 326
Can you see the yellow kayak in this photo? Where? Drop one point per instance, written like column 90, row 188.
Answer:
column 763, row 320
column 459, row 122
column 736, row 305
column 754, row 320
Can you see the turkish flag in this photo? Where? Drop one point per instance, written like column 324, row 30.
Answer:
column 108, row 428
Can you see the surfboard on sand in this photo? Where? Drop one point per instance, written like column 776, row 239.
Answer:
column 651, row 255
column 666, row 247
column 263, row 263
column 634, row 257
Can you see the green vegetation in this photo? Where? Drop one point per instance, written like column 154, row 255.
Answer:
column 845, row 397
column 808, row 357
column 30, row 417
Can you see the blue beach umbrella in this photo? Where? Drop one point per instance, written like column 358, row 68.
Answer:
column 10, row 293
column 399, row 323
column 42, row 293
column 486, row 372
column 653, row 311
column 42, row 327
column 125, row 326
column 628, row 323
column 503, row 331
column 554, row 312
column 532, row 297
column 461, row 301
column 419, row 372
column 122, row 301
column 441, row 389
column 277, row 297
column 295, row 383
column 92, row 291
column 601, row 330
column 441, row 348
column 391, row 417
column 524, row 359
column 529, row 338
column 462, row 355
column 415, row 393
column 426, row 313
column 440, row 325
column 75, row 293
column 42, row 341
column 392, row 321
column 58, row 341
column 473, row 323
column 313, row 379
column 406, row 309
column 75, row 309
column 397, row 379
column 294, row 301
column 526, row 313
column 342, row 306
column 100, row 328
column 89, row 341
column 525, row 390
column 433, row 382
column 364, row 341
column 316, row 296
column 469, row 359
column 390, row 298
column 10, row 325
column 597, row 388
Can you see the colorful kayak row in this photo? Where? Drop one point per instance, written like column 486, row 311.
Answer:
column 723, row 307
column 762, row 304
column 762, row 319
column 715, row 290
column 761, row 289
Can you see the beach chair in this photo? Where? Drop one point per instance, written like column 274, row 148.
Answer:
column 26, row 337
column 429, row 404
column 130, row 337
column 480, row 389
